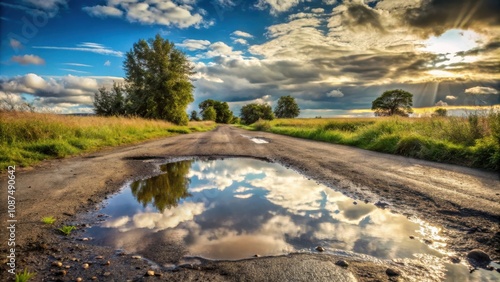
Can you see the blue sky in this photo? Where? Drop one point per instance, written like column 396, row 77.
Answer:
column 333, row 56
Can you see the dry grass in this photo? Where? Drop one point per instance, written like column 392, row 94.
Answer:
column 27, row 138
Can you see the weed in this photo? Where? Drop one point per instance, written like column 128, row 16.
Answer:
column 24, row 276
column 48, row 220
column 66, row 229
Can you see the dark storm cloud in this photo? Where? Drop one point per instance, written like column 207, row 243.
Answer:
column 437, row 16
column 361, row 15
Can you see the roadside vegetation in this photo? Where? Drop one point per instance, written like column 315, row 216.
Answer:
column 473, row 140
column 27, row 138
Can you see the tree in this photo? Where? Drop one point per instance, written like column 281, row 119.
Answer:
column 393, row 102
column 440, row 112
column 194, row 116
column 110, row 102
column 158, row 80
column 251, row 113
column 223, row 113
column 209, row 114
column 287, row 107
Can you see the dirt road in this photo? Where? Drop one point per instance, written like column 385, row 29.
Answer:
column 464, row 201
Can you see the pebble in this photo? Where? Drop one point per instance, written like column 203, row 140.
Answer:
column 392, row 272
column 479, row 256
column 342, row 263
column 57, row 263
column 355, row 202
column 61, row 273
column 79, row 279
column 85, row 239
column 320, row 249
column 94, row 278
column 381, row 204
column 107, row 273
column 67, row 266
column 455, row 259
column 428, row 242
column 412, row 237
column 107, row 263
column 99, row 257
column 85, row 265
column 150, row 273
column 136, row 257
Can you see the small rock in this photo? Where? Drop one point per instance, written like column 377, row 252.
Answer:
column 412, row 237
column 107, row 263
column 85, row 239
column 381, row 204
column 392, row 272
column 455, row 259
column 67, row 266
column 342, row 263
column 57, row 263
column 320, row 249
column 136, row 257
column 61, row 273
column 106, row 273
column 150, row 273
column 428, row 242
column 256, row 256
column 85, row 265
column 74, row 259
column 479, row 256
column 94, row 278
column 355, row 202
column 99, row 257
column 79, row 279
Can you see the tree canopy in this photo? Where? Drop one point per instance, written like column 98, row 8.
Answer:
column 223, row 113
column 440, row 112
column 287, row 107
column 209, row 114
column 251, row 113
column 110, row 102
column 393, row 102
column 158, row 84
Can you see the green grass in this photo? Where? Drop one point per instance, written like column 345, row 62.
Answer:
column 24, row 276
column 473, row 140
column 28, row 138
column 48, row 220
column 66, row 229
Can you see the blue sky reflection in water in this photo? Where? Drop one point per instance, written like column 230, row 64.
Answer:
column 236, row 208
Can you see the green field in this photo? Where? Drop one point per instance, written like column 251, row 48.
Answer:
column 27, row 138
column 472, row 141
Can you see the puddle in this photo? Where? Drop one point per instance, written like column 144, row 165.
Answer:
column 237, row 208
column 257, row 140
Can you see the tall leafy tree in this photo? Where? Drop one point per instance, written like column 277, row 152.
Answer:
column 287, row 107
column 251, row 113
column 223, row 113
column 110, row 102
column 209, row 114
column 158, row 80
column 393, row 102
column 194, row 116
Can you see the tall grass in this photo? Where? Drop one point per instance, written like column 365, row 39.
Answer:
column 27, row 138
column 473, row 140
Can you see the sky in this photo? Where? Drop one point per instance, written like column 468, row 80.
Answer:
column 334, row 57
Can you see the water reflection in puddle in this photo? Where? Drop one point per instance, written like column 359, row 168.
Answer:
column 236, row 208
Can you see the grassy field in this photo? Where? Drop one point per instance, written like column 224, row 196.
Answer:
column 27, row 138
column 472, row 141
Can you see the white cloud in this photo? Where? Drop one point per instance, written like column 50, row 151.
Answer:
column 450, row 97
column 240, row 41
column 75, row 71
column 77, row 65
column 103, row 11
column 330, row 2
column 277, row 6
column 152, row 12
column 318, row 10
column 242, row 34
column 28, row 60
column 86, row 47
column 107, row 63
column 480, row 90
column 441, row 103
column 63, row 93
column 15, row 44
column 335, row 93
column 193, row 44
